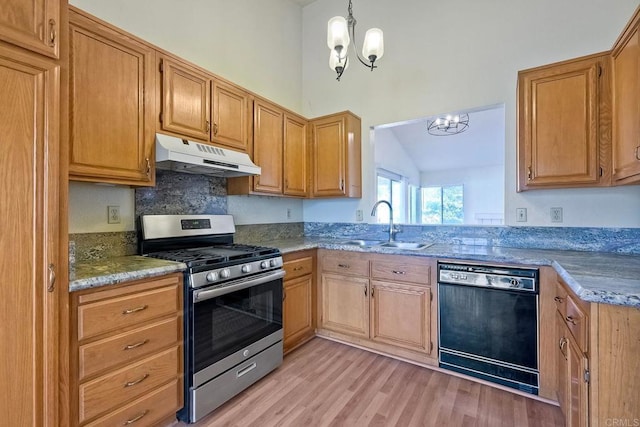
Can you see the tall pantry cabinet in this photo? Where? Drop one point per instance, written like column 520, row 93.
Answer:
column 31, row 288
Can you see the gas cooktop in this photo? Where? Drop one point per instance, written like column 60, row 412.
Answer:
column 217, row 255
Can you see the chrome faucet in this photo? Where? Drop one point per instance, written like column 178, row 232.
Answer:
column 392, row 229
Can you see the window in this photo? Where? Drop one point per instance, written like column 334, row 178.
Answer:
column 390, row 187
column 442, row 205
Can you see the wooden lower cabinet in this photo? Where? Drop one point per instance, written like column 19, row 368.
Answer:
column 400, row 315
column 127, row 353
column 573, row 386
column 382, row 302
column 299, row 297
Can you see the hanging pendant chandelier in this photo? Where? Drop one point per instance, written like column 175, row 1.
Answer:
column 448, row 125
column 341, row 33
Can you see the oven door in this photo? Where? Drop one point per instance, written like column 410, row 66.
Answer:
column 231, row 317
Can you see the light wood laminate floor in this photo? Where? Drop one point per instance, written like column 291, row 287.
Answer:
column 325, row 383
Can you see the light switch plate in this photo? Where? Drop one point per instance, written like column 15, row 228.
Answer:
column 521, row 214
column 359, row 215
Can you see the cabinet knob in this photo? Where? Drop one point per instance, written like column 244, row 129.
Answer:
column 148, row 169
column 365, row 290
column 53, row 34
column 208, row 126
column 529, row 174
column 558, row 299
column 571, row 320
column 215, row 128
column 52, row 278
column 638, row 152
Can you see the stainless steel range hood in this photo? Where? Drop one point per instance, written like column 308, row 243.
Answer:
column 181, row 155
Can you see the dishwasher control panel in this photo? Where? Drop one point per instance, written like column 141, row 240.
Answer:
column 519, row 279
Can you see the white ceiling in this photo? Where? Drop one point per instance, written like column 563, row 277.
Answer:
column 482, row 144
column 303, row 2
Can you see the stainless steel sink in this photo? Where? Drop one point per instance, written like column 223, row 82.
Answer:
column 412, row 246
column 363, row 242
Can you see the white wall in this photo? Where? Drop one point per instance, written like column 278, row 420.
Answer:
column 462, row 54
column 256, row 44
column 390, row 155
column 480, row 195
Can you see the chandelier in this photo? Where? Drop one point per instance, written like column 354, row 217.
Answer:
column 340, row 33
column 448, row 125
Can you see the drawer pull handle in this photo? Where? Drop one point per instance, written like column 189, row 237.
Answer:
column 563, row 342
column 52, row 278
column 398, row 272
column 135, row 310
column 136, row 345
column 558, row 299
column 638, row 152
column 298, row 268
column 343, row 265
column 246, row 370
column 138, row 418
column 571, row 320
column 53, row 35
column 138, row 381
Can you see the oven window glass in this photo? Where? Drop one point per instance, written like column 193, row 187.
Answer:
column 228, row 323
column 490, row 323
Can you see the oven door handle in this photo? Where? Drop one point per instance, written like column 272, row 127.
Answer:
column 204, row 295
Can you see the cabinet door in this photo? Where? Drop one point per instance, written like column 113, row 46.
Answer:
column 558, row 140
column 267, row 146
column 329, row 157
column 298, row 323
column 29, row 209
column 578, row 388
column 626, row 124
column 111, row 105
column 401, row 315
column 345, row 304
column 185, row 100
column 230, row 116
column 33, row 25
column 296, row 154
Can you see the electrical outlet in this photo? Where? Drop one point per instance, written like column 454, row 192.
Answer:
column 113, row 214
column 288, row 213
column 521, row 214
column 556, row 214
column 359, row 215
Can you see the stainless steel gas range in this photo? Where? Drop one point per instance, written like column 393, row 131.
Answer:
column 232, row 309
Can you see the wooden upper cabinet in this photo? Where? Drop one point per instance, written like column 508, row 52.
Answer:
column 33, row 25
column 29, row 250
column 626, row 95
column 111, row 93
column 186, row 100
column 564, row 117
column 336, row 154
column 267, row 146
column 231, row 116
column 296, row 156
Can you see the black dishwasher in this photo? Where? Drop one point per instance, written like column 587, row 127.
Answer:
column 488, row 323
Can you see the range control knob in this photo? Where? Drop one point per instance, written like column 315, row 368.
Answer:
column 246, row 268
column 225, row 273
column 514, row 283
column 213, row 276
column 273, row 263
column 264, row 264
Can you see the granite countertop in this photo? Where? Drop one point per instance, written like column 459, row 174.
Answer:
column 599, row 277
column 111, row 271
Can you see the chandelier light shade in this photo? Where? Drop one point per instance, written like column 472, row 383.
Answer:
column 448, row 125
column 341, row 34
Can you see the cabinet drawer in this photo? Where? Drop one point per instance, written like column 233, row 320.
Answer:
column 400, row 271
column 147, row 411
column 298, row 267
column 576, row 321
column 346, row 264
column 128, row 383
column 127, row 346
column 127, row 311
